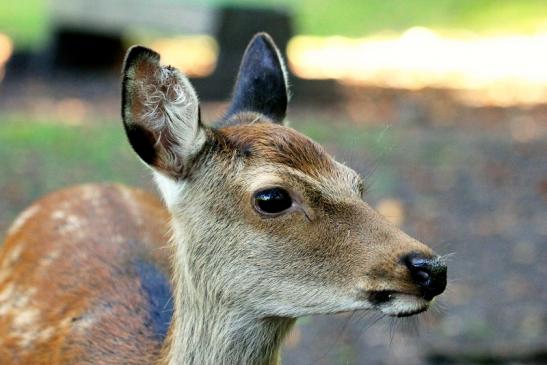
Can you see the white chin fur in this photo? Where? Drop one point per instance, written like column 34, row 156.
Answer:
column 404, row 304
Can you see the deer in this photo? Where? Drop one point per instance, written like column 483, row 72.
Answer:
column 257, row 226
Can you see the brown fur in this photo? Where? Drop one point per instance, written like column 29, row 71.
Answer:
column 68, row 294
column 275, row 143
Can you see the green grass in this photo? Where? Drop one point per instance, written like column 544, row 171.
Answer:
column 27, row 22
column 44, row 156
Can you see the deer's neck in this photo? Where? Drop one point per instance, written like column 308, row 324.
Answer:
column 206, row 332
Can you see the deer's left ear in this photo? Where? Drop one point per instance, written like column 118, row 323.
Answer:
column 261, row 84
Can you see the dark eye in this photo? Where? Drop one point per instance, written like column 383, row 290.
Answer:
column 272, row 201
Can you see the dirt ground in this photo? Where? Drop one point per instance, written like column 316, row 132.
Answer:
column 469, row 181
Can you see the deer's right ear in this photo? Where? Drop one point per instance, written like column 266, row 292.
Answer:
column 261, row 84
column 160, row 112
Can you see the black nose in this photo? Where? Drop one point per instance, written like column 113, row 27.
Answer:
column 428, row 273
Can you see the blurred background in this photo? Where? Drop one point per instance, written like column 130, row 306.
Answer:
column 441, row 105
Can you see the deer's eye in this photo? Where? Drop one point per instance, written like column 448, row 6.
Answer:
column 272, row 201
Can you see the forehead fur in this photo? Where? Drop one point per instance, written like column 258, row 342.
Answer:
column 279, row 144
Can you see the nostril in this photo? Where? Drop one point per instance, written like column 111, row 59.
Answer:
column 428, row 273
column 419, row 267
column 421, row 275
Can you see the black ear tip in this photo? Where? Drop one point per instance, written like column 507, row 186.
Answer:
column 136, row 53
column 263, row 39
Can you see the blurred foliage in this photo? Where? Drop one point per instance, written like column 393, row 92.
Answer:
column 50, row 155
column 360, row 17
column 27, row 21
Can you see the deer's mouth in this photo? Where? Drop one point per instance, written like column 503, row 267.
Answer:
column 397, row 304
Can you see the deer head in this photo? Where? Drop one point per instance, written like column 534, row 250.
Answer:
column 264, row 219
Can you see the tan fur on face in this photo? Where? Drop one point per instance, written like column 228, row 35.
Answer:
column 329, row 249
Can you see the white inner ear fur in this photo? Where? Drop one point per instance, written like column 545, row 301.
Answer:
column 171, row 108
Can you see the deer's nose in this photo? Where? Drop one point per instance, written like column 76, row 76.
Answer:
column 428, row 273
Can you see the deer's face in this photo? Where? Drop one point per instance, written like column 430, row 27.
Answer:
column 266, row 218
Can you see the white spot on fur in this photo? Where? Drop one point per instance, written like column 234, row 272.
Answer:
column 92, row 194
column 6, row 292
column 25, row 339
column 58, row 214
column 15, row 300
column 26, row 318
column 23, row 218
column 85, row 322
column 49, row 258
column 13, row 256
column 30, row 335
column 71, row 222
column 46, row 334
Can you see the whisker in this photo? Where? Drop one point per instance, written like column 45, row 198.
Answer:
column 447, row 257
column 411, row 325
column 368, row 316
column 440, row 307
column 335, row 343
column 392, row 326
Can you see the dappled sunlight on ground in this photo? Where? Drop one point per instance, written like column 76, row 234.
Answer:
column 196, row 55
column 495, row 70
column 6, row 49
